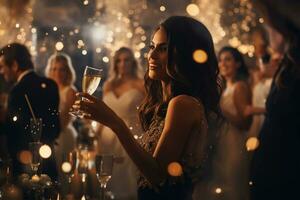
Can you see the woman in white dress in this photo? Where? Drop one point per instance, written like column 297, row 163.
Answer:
column 123, row 92
column 232, row 163
column 60, row 69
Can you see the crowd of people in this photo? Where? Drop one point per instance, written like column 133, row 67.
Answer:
column 180, row 133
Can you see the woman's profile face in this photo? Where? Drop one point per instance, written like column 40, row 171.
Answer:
column 228, row 65
column 158, row 56
column 124, row 64
column 58, row 72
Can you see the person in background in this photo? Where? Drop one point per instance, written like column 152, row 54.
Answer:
column 60, row 69
column 231, row 161
column 123, row 92
column 182, row 97
column 275, row 165
column 16, row 66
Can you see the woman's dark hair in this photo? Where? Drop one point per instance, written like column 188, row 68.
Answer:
column 18, row 53
column 242, row 73
column 114, row 74
column 198, row 79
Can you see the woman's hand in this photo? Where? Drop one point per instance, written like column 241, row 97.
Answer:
column 95, row 109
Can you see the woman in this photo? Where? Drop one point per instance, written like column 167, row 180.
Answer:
column 60, row 69
column 275, row 166
column 123, row 93
column 236, row 97
column 182, row 96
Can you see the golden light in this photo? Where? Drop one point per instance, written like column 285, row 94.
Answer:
column 66, row 167
column 218, row 190
column 43, row 85
column 192, row 9
column 54, row 28
column 261, row 20
column 45, row 151
column 175, row 169
column 200, row 56
column 85, row 2
column 162, row 8
column 25, row 157
column 33, row 30
column 250, row 183
column 15, row 118
column 59, row 46
column 105, row 59
column 129, row 35
column 137, row 54
column 84, row 52
column 17, row 25
column 252, row 143
column 136, row 137
column 35, row 178
column 98, row 50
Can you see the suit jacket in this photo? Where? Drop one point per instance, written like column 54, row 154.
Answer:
column 44, row 98
column 275, row 168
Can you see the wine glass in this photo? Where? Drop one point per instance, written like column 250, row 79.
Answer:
column 104, row 166
column 69, row 165
column 90, row 81
column 34, row 148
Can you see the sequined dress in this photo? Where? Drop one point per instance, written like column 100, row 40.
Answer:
column 193, row 164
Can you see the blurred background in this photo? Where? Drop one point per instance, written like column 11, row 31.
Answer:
column 91, row 30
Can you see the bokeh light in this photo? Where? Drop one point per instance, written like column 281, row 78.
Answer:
column 200, row 56
column 45, row 151
column 192, row 9
column 175, row 169
column 252, row 143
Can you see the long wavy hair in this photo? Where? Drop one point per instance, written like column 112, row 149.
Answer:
column 200, row 80
column 242, row 73
column 114, row 73
column 70, row 75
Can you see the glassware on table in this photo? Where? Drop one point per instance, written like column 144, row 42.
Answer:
column 36, row 126
column 83, row 167
column 104, row 167
column 34, row 148
column 90, row 81
column 69, row 165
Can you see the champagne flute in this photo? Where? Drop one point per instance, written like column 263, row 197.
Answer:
column 69, row 165
column 90, row 82
column 104, row 166
column 34, row 148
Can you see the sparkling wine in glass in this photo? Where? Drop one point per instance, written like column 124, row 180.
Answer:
column 90, row 81
column 104, row 167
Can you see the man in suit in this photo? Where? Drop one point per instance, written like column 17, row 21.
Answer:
column 16, row 66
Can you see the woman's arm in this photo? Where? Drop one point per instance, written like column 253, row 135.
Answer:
column 241, row 99
column 183, row 114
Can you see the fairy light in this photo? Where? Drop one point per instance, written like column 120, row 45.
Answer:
column 218, row 190
column 66, row 167
column 59, row 46
column 98, row 50
column 175, row 169
column 192, row 9
column 162, row 8
column 200, row 56
column 252, row 143
column 17, row 25
column 45, row 151
column 54, row 28
column 105, row 59
column 84, row 52
column 15, row 118
column 85, row 2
